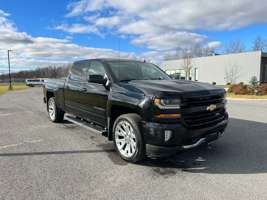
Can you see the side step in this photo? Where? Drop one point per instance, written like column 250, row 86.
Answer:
column 85, row 124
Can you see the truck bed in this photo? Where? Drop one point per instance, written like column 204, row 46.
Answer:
column 54, row 84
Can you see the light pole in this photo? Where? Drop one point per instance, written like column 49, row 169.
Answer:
column 9, row 74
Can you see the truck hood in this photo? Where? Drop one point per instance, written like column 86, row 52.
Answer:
column 169, row 87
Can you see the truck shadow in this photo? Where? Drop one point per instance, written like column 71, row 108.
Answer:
column 242, row 150
column 40, row 153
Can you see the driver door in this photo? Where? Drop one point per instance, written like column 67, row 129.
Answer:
column 95, row 95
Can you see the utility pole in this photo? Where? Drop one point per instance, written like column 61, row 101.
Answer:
column 9, row 74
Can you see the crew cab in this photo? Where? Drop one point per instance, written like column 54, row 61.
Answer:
column 138, row 106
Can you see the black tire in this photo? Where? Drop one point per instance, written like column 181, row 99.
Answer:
column 140, row 151
column 58, row 114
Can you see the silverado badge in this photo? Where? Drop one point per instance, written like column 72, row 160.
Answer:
column 211, row 107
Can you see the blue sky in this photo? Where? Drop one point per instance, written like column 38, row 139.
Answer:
column 39, row 17
column 43, row 32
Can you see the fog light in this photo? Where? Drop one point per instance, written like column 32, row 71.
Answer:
column 167, row 135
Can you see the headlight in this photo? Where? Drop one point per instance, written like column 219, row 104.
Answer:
column 168, row 103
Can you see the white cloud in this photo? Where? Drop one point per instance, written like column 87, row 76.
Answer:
column 157, row 56
column 183, row 14
column 77, row 28
column 169, row 41
column 3, row 13
column 30, row 52
column 108, row 21
column 168, row 24
column 79, row 7
column 214, row 45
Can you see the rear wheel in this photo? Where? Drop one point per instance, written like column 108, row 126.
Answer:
column 55, row 114
column 128, row 139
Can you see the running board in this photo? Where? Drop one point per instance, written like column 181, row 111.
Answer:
column 85, row 124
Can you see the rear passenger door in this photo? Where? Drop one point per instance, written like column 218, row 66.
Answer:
column 95, row 95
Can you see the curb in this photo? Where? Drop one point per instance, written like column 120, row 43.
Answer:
column 243, row 99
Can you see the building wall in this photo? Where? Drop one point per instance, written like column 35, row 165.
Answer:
column 213, row 68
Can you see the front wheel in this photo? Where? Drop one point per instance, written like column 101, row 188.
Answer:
column 127, row 138
column 55, row 114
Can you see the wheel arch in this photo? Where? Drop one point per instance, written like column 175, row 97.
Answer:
column 117, row 110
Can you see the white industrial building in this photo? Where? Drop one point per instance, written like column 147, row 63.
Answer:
column 235, row 68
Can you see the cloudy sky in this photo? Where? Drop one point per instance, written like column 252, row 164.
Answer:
column 54, row 32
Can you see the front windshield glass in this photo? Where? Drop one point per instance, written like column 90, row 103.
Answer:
column 130, row 70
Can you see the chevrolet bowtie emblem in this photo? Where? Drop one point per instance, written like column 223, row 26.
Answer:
column 211, row 107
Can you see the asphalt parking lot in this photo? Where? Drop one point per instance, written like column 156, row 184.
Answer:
column 42, row 160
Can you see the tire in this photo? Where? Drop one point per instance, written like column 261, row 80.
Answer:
column 55, row 114
column 127, row 138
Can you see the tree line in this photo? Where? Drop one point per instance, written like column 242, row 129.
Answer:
column 44, row 72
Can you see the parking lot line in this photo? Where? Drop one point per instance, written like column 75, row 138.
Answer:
column 21, row 143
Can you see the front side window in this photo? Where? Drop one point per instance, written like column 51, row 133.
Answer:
column 130, row 70
column 79, row 71
column 96, row 68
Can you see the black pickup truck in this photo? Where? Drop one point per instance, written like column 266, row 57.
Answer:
column 138, row 106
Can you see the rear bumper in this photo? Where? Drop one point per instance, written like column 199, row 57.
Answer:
column 181, row 138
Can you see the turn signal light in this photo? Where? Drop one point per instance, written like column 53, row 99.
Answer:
column 168, row 116
column 157, row 101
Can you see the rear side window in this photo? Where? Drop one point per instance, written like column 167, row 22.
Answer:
column 96, row 68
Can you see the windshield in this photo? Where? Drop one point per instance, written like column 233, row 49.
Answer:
column 130, row 70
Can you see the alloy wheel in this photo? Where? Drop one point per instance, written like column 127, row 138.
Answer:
column 125, row 139
column 52, row 109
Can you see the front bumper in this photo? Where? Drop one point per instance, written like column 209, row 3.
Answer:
column 181, row 138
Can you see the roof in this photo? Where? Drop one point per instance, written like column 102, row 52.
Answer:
column 108, row 60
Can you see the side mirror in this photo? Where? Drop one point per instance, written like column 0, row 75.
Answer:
column 97, row 79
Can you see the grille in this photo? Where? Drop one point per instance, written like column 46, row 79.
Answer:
column 195, row 114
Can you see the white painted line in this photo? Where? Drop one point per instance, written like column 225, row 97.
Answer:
column 10, row 145
column 33, row 141
column 21, row 143
column 244, row 99
column 5, row 114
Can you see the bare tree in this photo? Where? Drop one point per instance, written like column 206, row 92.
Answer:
column 187, row 64
column 199, row 50
column 235, row 46
column 232, row 73
column 44, row 72
column 196, row 50
column 259, row 44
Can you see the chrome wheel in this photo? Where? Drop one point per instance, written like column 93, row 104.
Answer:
column 52, row 109
column 125, row 139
